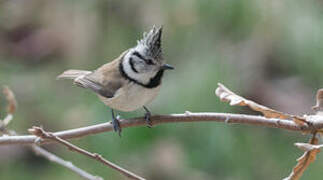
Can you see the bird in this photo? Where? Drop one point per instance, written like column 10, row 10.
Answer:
column 129, row 82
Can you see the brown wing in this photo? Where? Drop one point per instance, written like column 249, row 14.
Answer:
column 105, row 81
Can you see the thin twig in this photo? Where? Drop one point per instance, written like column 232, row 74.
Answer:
column 173, row 118
column 47, row 135
column 11, row 108
column 52, row 157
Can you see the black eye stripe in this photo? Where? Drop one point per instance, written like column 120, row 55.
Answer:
column 138, row 55
column 147, row 61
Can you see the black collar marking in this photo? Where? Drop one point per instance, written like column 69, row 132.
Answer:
column 154, row 82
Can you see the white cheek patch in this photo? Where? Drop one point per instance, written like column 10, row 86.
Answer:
column 143, row 78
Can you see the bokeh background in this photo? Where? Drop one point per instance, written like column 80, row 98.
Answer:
column 268, row 51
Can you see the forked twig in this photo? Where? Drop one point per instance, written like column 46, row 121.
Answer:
column 39, row 132
column 311, row 150
column 11, row 108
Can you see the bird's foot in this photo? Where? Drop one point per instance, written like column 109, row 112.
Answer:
column 148, row 120
column 116, row 124
column 147, row 117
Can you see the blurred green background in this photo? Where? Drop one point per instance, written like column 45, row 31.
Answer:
column 268, row 51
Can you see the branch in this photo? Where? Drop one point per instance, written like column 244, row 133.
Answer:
column 46, row 135
column 311, row 149
column 173, row 118
column 272, row 118
column 52, row 157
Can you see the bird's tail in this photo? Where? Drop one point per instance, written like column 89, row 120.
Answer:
column 73, row 74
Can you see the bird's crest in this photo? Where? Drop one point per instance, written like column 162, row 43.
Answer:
column 152, row 41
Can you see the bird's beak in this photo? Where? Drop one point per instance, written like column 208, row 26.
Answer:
column 167, row 67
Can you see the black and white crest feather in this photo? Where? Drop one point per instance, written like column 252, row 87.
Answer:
column 152, row 41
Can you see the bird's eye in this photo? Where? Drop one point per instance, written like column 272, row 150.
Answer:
column 149, row 61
